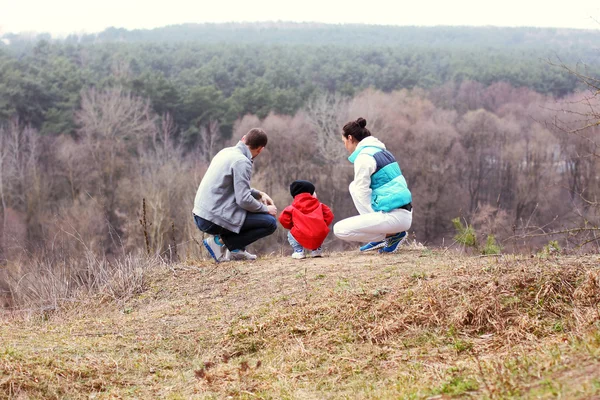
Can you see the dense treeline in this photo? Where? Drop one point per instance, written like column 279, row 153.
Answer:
column 270, row 68
column 290, row 33
column 484, row 154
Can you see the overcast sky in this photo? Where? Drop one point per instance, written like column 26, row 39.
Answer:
column 67, row 16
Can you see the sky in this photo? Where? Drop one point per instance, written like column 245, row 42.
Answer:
column 61, row 17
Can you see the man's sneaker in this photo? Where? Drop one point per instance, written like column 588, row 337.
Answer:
column 239, row 255
column 372, row 245
column 317, row 253
column 298, row 255
column 392, row 244
column 215, row 249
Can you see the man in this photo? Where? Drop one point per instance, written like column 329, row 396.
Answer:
column 228, row 208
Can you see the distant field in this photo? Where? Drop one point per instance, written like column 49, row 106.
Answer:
column 418, row 324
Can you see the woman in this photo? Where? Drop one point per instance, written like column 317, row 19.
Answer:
column 379, row 192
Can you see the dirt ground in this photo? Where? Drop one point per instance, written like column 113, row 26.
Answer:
column 417, row 324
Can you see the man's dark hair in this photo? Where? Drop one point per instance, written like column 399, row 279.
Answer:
column 357, row 129
column 256, row 138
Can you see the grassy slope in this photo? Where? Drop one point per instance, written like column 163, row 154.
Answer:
column 413, row 325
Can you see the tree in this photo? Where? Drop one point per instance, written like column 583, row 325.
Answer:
column 482, row 140
column 113, row 124
column 21, row 185
column 578, row 123
column 326, row 116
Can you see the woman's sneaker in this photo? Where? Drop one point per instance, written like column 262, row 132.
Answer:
column 214, row 247
column 317, row 253
column 372, row 245
column 239, row 255
column 393, row 242
column 298, row 255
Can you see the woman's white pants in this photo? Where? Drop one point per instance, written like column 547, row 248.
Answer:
column 373, row 227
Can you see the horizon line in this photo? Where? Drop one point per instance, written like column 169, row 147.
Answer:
column 57, row 34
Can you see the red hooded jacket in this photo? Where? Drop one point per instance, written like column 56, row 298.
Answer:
column 308, row 220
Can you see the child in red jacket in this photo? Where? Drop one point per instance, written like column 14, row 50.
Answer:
column 307, row 219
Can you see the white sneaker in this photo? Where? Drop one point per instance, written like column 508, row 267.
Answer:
column 214, row 249
column 317, row 253
column 298, row 255
column 239, row 255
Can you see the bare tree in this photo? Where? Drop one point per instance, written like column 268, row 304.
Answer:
column 114, row 115
column 164, row 183
column 210, row 138
column 4, row 174
column 20, row 181
column 113, row 126
column 576, row 122
column 326, row 115
column 480, row 136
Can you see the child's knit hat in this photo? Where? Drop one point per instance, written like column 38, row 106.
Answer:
column 300, row 186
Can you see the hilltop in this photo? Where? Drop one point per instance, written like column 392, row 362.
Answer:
column 311, row 33
column 416, row 324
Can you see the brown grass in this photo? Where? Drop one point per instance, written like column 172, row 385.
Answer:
column 413, row 325
column 51, row 282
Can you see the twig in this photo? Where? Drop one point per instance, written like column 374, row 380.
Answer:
column 144, row 224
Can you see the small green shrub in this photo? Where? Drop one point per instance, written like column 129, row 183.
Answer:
column 465, row 234
column 491, row 247
column 552, row 248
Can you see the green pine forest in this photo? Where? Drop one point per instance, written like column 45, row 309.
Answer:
column 199, row 72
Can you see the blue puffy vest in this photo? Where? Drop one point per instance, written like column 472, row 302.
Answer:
column 389, row 188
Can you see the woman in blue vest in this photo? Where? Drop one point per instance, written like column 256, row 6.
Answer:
column 379, row 192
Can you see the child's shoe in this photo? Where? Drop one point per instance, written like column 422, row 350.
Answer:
column 298, row 255
column 317, row 253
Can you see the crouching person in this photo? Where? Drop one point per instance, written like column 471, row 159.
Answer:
column 307, row 219
column 228, row 208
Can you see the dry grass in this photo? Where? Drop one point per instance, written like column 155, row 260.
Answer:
column 417, row 324
column 49, row 283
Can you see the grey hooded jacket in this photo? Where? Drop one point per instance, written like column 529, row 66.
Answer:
column 224, row 195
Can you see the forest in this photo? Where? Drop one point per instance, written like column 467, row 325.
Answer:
column 105, row 137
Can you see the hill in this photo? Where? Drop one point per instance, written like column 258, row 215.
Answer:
column 310, row 33
column 417, row 324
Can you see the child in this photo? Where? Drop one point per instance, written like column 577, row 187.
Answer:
column 307, row 219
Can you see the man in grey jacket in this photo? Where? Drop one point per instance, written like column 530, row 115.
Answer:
column 228, row 208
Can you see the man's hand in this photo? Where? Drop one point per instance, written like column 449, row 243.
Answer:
column 272, row 210
column 266, row 200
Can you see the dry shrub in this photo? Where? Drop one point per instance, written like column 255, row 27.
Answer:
column 47, row 282
column 586, row 298
column 512, row 304
column 490, row 220
column 506, row 304
column 80, row 226
column 168, row 189
column 6, row 296
column 14, row 235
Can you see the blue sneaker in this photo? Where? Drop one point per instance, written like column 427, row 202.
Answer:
column 372, row 245
column 214, row 247
column 393, row 242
